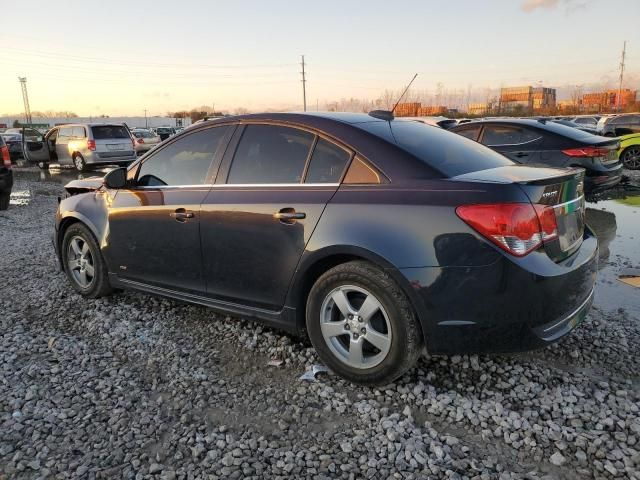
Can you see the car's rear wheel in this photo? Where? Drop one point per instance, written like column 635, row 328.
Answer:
column 4, row 200
column 79, row 162
column 83, row 262
column 631, row 157
column 362, row 325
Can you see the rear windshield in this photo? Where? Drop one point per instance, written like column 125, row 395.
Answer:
column 449, row 153
column 143, row 134
column 104, row 132
column 566, row 131
column 163, row 130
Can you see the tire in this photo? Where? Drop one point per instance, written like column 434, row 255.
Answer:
column 79, row 163
column 4, row 200
column 631, row 157
column 82, row 260
column 387, row 319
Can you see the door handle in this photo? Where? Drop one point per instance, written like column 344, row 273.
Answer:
column 289, row 215
column 521, row 154
column 181, row 215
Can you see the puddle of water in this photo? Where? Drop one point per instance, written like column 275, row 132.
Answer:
column 20, row 197
column 617, row 225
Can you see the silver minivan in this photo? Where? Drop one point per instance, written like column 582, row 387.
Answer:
column 82, row 145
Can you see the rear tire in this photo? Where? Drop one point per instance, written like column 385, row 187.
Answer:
column 631, row 157
column 83, row 262
column 79, row 163
column 359, row 306
column 4, row 200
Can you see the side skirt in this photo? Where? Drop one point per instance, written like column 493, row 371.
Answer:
column 282, row 320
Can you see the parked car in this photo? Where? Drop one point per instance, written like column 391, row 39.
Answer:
column 590, row 121
column 372, row 237
column 6, row 175
column 82, row 145
column 569, row 123
column 13, row 141
column 145, row 140
column 545, row 142
column 629, row 151
column 617, row 125
column 164, row 132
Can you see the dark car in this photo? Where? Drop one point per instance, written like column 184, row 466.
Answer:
column 618, row 125
column 374, row 238
column 572, row 124
column 544, row 142
column 6, row 175
column 165, row 132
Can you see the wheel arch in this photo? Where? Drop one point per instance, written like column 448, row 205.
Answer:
column 313, row 265
column 68, row 220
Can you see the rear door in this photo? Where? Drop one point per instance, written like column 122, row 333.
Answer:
column 519, row 143
column 154, row 227
column 42, row 150
column 112, row 141
column 257, row 219
column 62, row 145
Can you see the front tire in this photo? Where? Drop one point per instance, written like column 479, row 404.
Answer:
column 362, row 325
column 631, row 157
column 83, row 262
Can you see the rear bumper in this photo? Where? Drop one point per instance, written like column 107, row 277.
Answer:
column 508, row 306
column 106, row 158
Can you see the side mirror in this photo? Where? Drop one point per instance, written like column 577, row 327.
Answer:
column 116, row 178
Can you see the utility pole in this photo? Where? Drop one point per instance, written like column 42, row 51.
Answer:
column 146, row 125
column 619, row 99
column 304, row 86
column 25, row 99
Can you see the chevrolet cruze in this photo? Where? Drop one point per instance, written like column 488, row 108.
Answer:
column 373, row 237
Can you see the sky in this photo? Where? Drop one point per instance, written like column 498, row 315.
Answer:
column 122, row 57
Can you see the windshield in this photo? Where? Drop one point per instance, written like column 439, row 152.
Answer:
column 104, row 132
column 447, row 152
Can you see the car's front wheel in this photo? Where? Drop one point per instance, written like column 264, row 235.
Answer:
column 83, row 262
column 362, row 325
column 631, row 157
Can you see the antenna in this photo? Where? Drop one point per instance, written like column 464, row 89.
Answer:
column 403, row 94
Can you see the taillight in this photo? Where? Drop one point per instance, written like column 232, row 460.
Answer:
column 587, row 152
column 140, row 140
column 6, row 158
column 91, row 145
column 517, row 228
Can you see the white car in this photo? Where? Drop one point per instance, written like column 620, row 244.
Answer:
column 145, row 140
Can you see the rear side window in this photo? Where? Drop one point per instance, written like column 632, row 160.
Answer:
column 105, row 132
column 447, row 152
column 327, row 163
column 360, row 172
column 78, row 132
column 183, row 162
column 65, row 133
column 270, row 154
column 507, row 135
column 470, row 132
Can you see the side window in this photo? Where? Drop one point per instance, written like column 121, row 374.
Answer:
column 507, row 135
column 471, row 132
column 270, row 154
column 183, row 162
column 64, row 134
column 360, row 172
column 78, row 132
column 327, row 163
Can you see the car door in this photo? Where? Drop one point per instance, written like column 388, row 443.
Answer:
column 154, row 226
column 42, row 150
column 62, row 145
column 273, row 186
column 516, row 142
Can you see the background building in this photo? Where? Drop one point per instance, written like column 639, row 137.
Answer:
column 607, row 100
column 527, row 99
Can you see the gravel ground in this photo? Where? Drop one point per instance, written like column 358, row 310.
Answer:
column 134, row 386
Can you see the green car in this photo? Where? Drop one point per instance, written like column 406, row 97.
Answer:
column 629, row 151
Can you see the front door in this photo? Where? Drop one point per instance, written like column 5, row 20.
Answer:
column 154, row 226
column 40, row 151
column 520, row 144
column 258, row 218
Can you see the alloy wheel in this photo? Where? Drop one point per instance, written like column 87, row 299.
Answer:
column 80, row 262
column 631, row 158
column 355, row 326
column 79, row 162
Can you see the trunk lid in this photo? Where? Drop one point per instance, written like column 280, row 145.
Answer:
column 561, row 189
column 113, row 139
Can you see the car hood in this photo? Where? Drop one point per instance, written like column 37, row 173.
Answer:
column 85, row 185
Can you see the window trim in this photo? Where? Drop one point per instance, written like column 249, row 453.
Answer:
column 214, row 166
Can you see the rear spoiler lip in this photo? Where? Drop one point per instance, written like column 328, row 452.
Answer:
column 535, row 175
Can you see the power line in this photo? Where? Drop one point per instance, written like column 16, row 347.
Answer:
column 304, row 86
